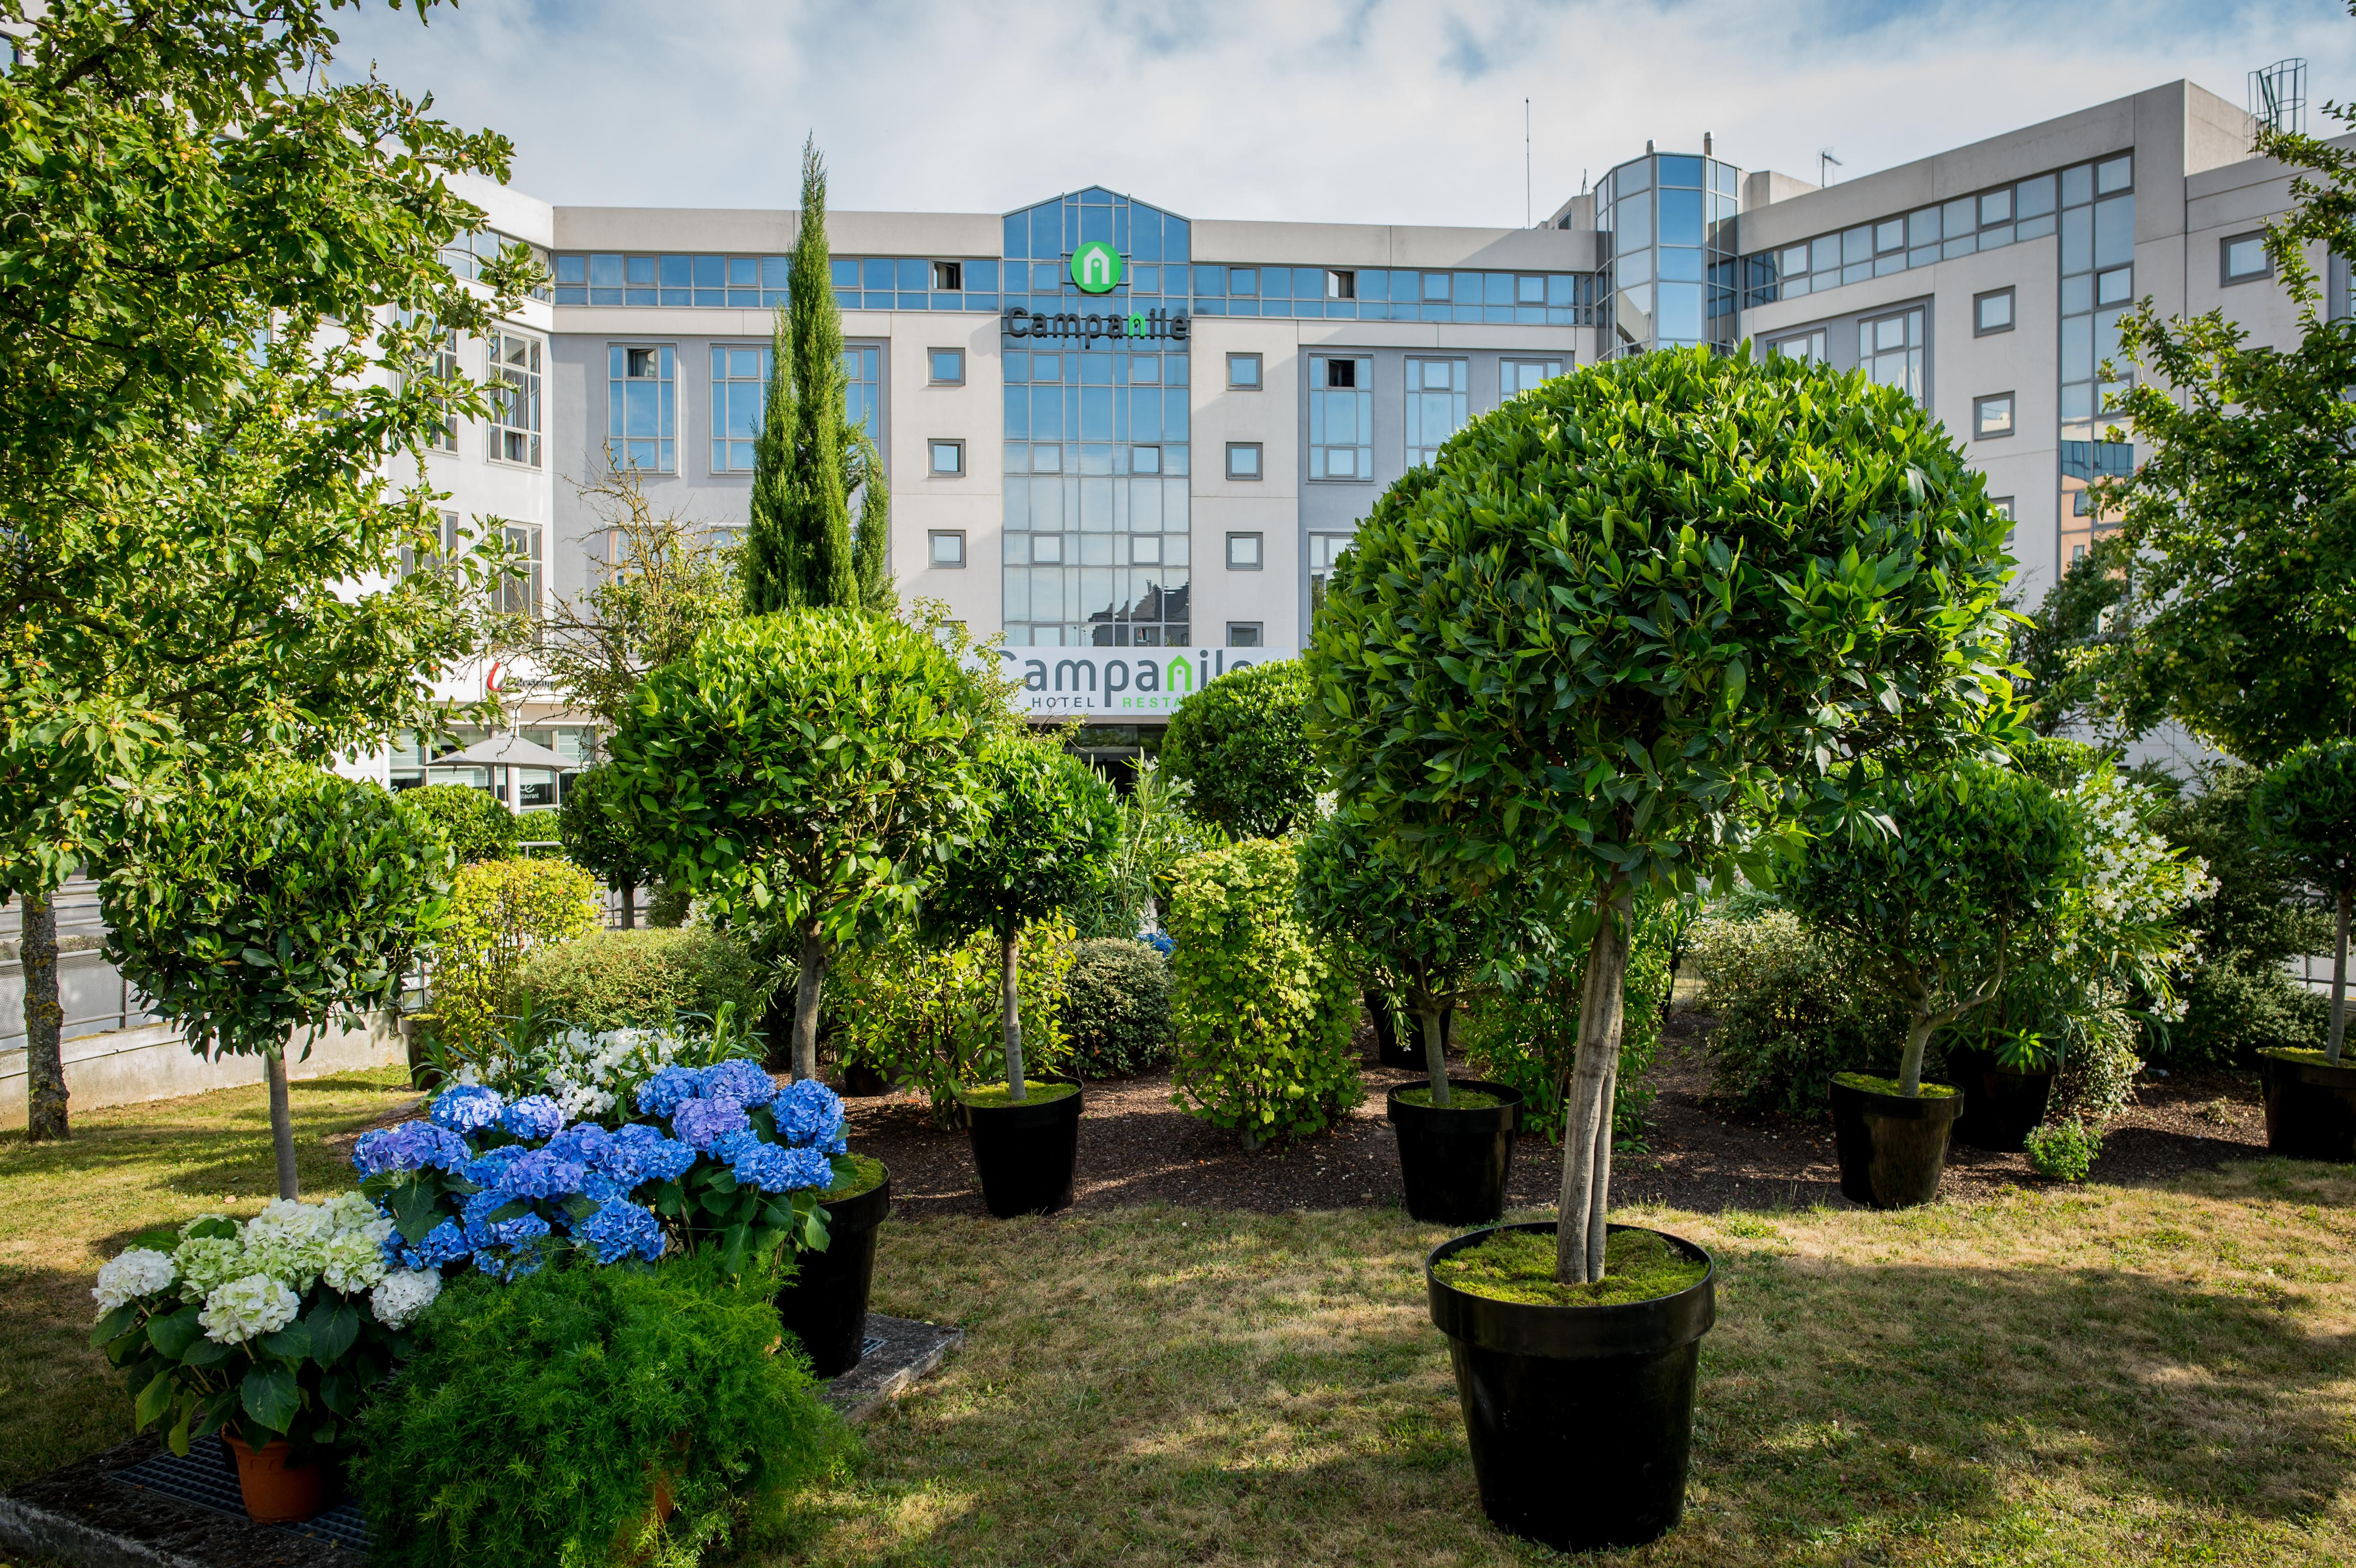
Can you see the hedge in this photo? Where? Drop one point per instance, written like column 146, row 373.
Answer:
column 614, row 979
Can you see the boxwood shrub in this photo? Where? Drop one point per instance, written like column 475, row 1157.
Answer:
column 476, row 826
column 1116, row 1006
column 1242, row 745
column 613, row 979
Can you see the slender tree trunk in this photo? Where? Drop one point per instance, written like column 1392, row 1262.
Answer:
column 2339, row 979
column 1009, row 949
column 629, row 906
column 1587, row 1124
column 1918, row 1026
column 1435, row 1048
column 806, row 999
column 281, row 1123
column 44, row 1067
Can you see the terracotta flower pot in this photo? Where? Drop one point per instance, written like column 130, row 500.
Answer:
column 277, row 1492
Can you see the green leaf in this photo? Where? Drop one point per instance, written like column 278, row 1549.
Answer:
column 207, row 1353
column 414, row 1211
column 271, row 1396
column 292, row 1341
column 173, row 1335
column 333, row 1326
column 115, row 1323
column 153, row 1401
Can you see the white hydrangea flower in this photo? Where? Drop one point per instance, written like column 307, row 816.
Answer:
column 204, row 1261
column 355, row 1259
column 242, row 1308
column 128, row 1275
column 351, row 1210
column 404, row 1293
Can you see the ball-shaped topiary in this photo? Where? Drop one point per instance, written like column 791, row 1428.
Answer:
column 1117, row 1006
column 1241, row 745
column 596, row 838
column 476, row 826
column 2305, row 809
column 1638, row 619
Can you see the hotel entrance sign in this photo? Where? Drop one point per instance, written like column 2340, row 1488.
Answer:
column 1096, row 268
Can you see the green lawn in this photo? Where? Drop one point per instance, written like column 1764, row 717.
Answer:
column 2105, row 1376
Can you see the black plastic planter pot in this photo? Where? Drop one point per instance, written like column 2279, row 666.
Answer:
column 1455, row 1161
column 1892, row 1147
column 2310, row 1106
column 1024, row 1152
column 826, row 1306
column 2001, row 1107
column 1580, row 1418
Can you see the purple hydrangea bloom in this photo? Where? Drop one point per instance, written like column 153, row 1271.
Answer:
column 411, row 1145
column 535, row 1116
column 774, row 1169
column 540, row 1175
column 809, row 1115
column 698, row 1122
column 663, row 1094
column 467, row 1108
column 620, row 1230
column 483, row 1232
column 741, row 1081
column 445, row 1244
column 641, row 1153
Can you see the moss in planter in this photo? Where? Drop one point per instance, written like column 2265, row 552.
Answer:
column 991, row 1096
column 865, row 1175
column 1458, row 1099
column 1872, row 1085
column 1519, row 1265
column 2308, row 1056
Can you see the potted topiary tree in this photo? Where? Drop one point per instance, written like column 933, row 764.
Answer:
column 2305, row 808
column 1047, row 843
column 1456, row 1137
column 261, row 906
column 1975, row 863
column 1623, row 630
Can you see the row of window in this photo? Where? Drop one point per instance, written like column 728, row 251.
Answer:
column 946, row 549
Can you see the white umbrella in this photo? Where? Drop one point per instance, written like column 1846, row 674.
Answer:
column 507, row 751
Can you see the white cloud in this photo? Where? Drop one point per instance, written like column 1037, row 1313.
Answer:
column 1335, row 110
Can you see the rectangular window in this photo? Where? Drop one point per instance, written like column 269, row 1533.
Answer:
column 2113, row 287
column 1807, row 347
column 1341, row 417
column 1325, row 549
column 1435, row 406
column 1242, row 461
column 641, row 415
column 947, row 547
column 1145, row 460
column 444, row 369
column 435, row 554
column 1338, row 286
column 519, row 590
column 948, row 459
column 515, row 398
column 1992, row 312
column 1992, row 416
column 1243, row 551
column 1243, row 633
column 1890, row 350
column 863, row 391
column 2244, row 257
column 740, row 389
column 947, row 366
column 1243, row 373
column 949, row 276
column 1516, row 377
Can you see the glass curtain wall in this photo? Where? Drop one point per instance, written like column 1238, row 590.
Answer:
column 1098, row 543
column 2097, row 288
column 1671, row 218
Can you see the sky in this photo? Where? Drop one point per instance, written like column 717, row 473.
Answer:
column 1325, row 111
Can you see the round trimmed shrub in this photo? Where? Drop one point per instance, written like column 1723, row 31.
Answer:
column 504, row 912
column 595, row 835
column 617, row 979
column 1116, row 1006
column 1242, row 745
column 472, row 821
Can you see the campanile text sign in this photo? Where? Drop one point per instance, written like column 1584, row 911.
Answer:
column 1120, row 683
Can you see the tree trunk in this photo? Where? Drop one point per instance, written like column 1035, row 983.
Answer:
column 806, row 999
column 44, row 1068
column 1010, row 947
column 2338, row 980
column 629, row 906
column 1917, row 1036
column 1595, row 1072
column 1435, row 1048
column 281, row 1123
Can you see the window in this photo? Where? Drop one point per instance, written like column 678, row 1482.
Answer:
column 1243, row 373
column 1048, row 549
column 1242, row 461
column 1435, row 406
column 1145, row 460
column 2244, row 257
column 948, row 460
column 515, row 398
column 740, row 391
column 1243, row 552
column 435, row 554
column 1808, row 346
column 518, row 592
column 1243, row 633
column 1325, row 549
column 1992, row 416
column 1341, row 417
column 947, row 547
column 444, row 368
column 641, row 419
column 1145, row 550
column 863, row 391
column 1338, row 286
column 2011, row 515
column 1991, row 312
column 949, row 276
column 947, row 366
column 1516, row 377
column 1890, row 350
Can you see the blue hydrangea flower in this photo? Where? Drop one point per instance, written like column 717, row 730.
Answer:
column 587, row 1143
column 535, row 1116
column 728, row 1146
column 445, row 1244
column 411, row 1145
column 482, row 1231
column 487, row 1168
column 510, row 1263
column 641, row 1153
column 773, row 1167
column 809, row 1115
column 698, row 1122
column 620, row 1230
column 663, row 1094
column 741, row 1081
column 599, row 1188
column 540, row 1175
column 1159, row 943
column 468, row 1107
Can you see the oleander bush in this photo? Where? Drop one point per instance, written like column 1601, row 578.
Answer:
column 929, row 1015
column 1263, row 1006
column 1116, row 1006
column 471, row 821
column 503, row 912
column 614, row 979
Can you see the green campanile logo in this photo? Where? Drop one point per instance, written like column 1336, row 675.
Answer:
column 1096, row 267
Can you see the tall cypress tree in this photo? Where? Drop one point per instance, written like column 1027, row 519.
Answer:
column 797, row 548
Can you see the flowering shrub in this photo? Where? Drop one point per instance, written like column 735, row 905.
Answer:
column 591, row 1075
column 276, row 1328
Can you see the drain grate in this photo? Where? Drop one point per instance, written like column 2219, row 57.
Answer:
column 207, row 1479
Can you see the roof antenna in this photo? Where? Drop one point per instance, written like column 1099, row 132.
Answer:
column 1825, row 163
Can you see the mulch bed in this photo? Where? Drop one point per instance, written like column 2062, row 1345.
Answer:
column 1137, row 1147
